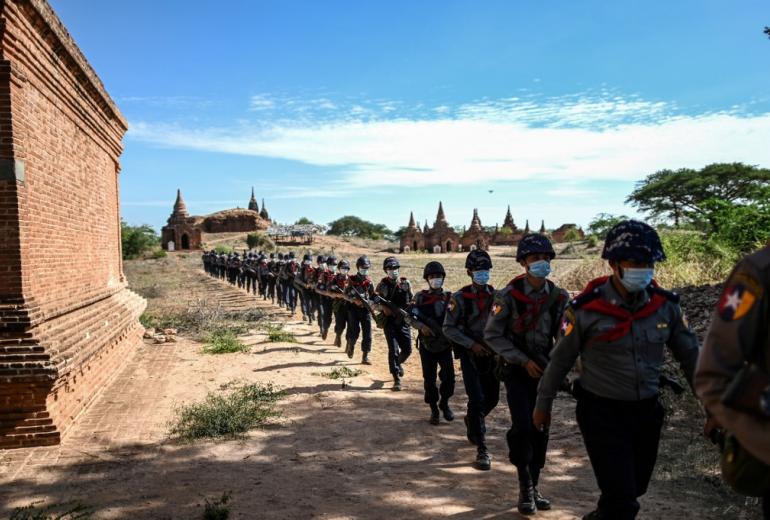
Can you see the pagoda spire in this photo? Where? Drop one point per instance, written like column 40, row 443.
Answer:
column 526, row 228
column 180, row 208
column 426, row 228
column 476, row 221
column 508, row 222
column 264, row 214
column 411, row 220
column 542, row 227
column 440, row 217
column 253, row 206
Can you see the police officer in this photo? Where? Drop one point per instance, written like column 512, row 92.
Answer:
column 303, row 282
column 398, row 291
column 288, row 272
column 736, row 353
column 429, row 307
column 273, row 286
column 320, row 269
column 466, row 316
column 336, row 290
column 359, row 319
column 619, row 327
column 522, row 327
column 324, row 280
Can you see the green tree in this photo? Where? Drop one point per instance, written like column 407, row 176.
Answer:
column 603, row 222
column 683, row 195
column 350, row 225
column 137, row 240
column 303, row 220
column 571, row 235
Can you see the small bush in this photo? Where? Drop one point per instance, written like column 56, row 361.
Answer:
column 342, row 373
column 592, row 241
column 693, row 259
column 64, row 511
column 159, row 253
column 276, row 334
column 230, row 415
column 224, row 249
column 217, row 509
column 259, row 241
column 223, row 341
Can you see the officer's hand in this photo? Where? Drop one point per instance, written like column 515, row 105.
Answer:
column 478, row 350
column 425, row 330
column 533, row 369
column 711, row 425
column 386, row 311
column 541, row 420
column 359, row 303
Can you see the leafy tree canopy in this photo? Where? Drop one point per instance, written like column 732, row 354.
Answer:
column 137, row 240
column 350, row 225
column 603, row 222
column 304, row 220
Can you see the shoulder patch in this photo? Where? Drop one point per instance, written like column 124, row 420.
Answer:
column 737, row 300
column 568, row 323
column 584, row 298
column 452, row 305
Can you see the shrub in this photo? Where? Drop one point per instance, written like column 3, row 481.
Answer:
column 223, row 341
column 571, row 235
column 159, row 253
column 229, row 415
column 342, row 373
column 218, row 509
column 136, row 240
column 693, row 259
column 224, row 250
column 64, row 511
column 276, row 334
column 259, row 241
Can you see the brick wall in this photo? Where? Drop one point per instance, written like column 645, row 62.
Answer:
column 67, row 321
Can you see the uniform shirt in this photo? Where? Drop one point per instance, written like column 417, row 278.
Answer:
column 624, row 369
column 466, row 314
column 499, row 330
column 398, row 292
column 323, row 279
column 339, row 282
column 361, row 285
column 738, row 324
column 306, row 275
column 433, row 304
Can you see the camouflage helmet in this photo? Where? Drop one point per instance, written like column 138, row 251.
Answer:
column 363, row 262
column 307, row 257
column 343, row 264
column 433, row 268
column 320, row 259
column 478, row 260
column 331, row 260
column 532, row 244
column 633, row 240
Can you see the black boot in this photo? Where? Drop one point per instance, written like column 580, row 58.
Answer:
column 483, row 460
column 526, row 504
column 349, row 349
column 396, row 384
column 338, row 340
column 365, row 359
column 468, row 433
column 324, row 333
column 593, row 515
column 434, row 416
column 542, row 503
column 444, row 407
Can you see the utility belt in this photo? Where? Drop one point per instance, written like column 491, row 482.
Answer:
column 581, row 394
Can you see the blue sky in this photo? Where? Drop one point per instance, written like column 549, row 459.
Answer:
column 376, row 109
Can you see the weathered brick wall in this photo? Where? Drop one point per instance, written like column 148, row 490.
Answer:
column 67, row 320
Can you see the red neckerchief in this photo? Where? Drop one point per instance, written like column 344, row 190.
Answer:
column 480, row 297
column 365, row 283
column 527, row 320
column 625, row 317
column 429, row 297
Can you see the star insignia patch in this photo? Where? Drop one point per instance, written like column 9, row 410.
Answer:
column 567, row 327
column 452, row 305
column 736, row 301
column 496, row 309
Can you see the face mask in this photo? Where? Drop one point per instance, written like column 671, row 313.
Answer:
column 637, row 279
column 322, row 267
column 393, row 273
column 307, row 262
column 481, row 277
column 436, row 283
column 333, row 268
column 344, row 271
column 363, row 272
column 539, row 269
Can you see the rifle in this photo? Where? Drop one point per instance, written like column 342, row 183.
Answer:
column 365, row 301
column 397, row 312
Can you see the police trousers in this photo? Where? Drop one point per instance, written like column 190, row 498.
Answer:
column 325, row 313
column 526, row 445
column 441, row 364
column 340, row 316
column 399, row 339
column 483, row 390
column 621, row 438
column 360, row 322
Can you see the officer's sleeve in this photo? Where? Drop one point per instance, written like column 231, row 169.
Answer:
column 563, row 357
column 495, row 331
column 683, row 344
column 737, row 326
column 381, row 289
column 452, row 321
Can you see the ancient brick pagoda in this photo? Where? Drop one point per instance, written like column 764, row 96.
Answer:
column 67, row 319
column 183, row 231
column 442, row 238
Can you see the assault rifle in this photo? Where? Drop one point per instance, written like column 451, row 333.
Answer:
column 397, row 311
column 364, row 300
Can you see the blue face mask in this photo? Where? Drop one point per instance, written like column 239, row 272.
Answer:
column 481, row 277
column 637, row 279
column 393, row 274
column 363, row 272
column 539, row 269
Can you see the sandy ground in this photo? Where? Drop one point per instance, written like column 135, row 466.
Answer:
column 352, row 452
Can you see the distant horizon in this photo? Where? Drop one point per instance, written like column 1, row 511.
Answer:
column 374, row 110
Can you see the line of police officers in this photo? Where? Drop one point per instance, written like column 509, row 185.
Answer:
column 533, row 338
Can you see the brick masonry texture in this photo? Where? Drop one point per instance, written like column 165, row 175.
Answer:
column 67, row 320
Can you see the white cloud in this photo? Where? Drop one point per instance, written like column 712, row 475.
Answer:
column 261, row 102
column 572, row 138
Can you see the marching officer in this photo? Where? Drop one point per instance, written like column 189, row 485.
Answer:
column 619, row 327
column 336, row 289
column 397, row 291
column 733, row 374
column 359, row 287
column 522, row 327
column 429, row 307
column 466, row 316
column 303, row 281
column 324, row 279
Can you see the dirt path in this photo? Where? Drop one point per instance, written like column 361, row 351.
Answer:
column 361, row 451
